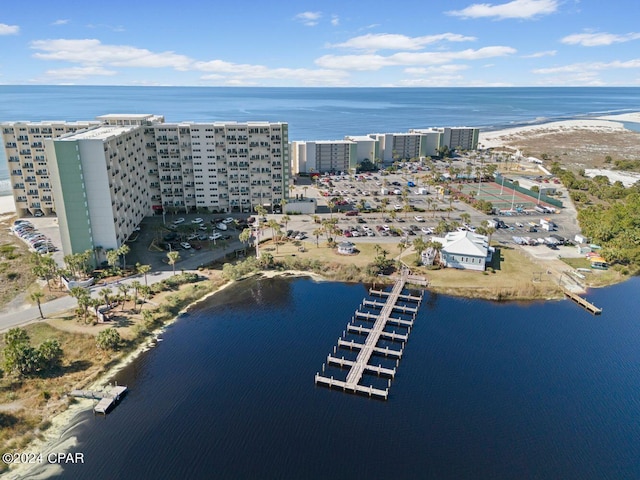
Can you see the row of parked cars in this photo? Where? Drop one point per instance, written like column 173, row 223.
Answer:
column 36, row 240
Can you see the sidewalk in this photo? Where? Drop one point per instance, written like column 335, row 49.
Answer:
column 23, row 316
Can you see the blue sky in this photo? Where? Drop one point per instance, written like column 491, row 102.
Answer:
column 415, row 43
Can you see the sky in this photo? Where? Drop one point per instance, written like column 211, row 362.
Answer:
column 346, row 43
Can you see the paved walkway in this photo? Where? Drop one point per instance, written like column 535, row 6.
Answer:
column 25, row 314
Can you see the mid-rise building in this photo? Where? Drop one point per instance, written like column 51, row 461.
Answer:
column 322, row 156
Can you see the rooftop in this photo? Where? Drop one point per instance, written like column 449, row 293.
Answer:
column 102, row 132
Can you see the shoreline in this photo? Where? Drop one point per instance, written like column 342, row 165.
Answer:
column 52, row 440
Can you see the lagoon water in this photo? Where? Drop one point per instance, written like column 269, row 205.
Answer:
column 485, row 391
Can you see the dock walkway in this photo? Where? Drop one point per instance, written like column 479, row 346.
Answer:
column 583, row 302
column 106, row 399
column 370, row 346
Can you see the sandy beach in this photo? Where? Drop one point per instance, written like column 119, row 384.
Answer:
column 499, row 138
column 6, row 204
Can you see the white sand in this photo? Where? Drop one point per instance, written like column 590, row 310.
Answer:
column 499, row 138
column 627, row 178
column 624, row 117
column 6, row 204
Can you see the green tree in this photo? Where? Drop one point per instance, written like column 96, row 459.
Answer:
column 135, row 285
column 50, row 353
column 113, row 257
column 82, row 296
column 143, row 269
column 124, row 290
column 37, row 297
column 108, row 339
column 123, row 251
column 172, row 258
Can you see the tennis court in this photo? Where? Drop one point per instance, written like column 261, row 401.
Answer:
column 501, row 197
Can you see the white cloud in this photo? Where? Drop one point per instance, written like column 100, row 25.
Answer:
column 547, row 53
column 335, row 20
column 78, row 73
column 440, row 69
column 376, row 62
column 62, row 21
column 390, row 41
column 308, row 18
column 9, row 29
column 93, row 52
column 235, row 73
column 589, row 67
column 598, row 39
column 522, row 9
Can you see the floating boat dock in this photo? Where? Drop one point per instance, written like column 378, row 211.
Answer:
column 106, row 399
column 374, row 334
column 583, row 302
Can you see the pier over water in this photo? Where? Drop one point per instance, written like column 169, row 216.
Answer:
column 373, row 335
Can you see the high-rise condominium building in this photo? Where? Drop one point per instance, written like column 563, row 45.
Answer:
column 24, row 148
column 103, row 177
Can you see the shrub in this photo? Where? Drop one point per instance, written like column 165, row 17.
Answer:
column 108, row 339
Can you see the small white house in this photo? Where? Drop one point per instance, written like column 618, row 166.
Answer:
column 465, row 250
column 346, row 248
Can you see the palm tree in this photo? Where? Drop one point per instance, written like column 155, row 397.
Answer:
column 106, row 296
column 37, row 297
column 465, row 217
column 172, row 258
column 145, row 290
column 82, row 296
column 124, row 289
column 286, row 219
column 317, row 232
column 275, row 231
column 123, row 251
column 136, row 288
column 143, row 269
column 331, row 204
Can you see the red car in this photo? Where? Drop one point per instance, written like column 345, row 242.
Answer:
column 351, row 213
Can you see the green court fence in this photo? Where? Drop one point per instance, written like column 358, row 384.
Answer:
column 544, row 198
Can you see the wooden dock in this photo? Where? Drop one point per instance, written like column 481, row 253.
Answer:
column 583, row 302
column 373, row 334
column 106, row 399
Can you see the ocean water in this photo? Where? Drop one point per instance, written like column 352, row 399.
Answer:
column 484, row 391
column 318, row 113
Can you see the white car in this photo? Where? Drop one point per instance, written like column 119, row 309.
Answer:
column 185, row 245
column 178, row 221
column 228, row 220
column 397, row 207
column 419, row 218
column 221, row 226
column 426, row 230
column 197, row 220
column 385, row 228
column 215, row 236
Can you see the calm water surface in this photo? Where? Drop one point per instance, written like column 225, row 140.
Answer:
column 485, row 390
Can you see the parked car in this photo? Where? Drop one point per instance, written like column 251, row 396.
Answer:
column 178, row 221
column 419, row 218
column 228, row 220
column 215, row 236
column 185, row 245
column 221, row 226
column 197, row 220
